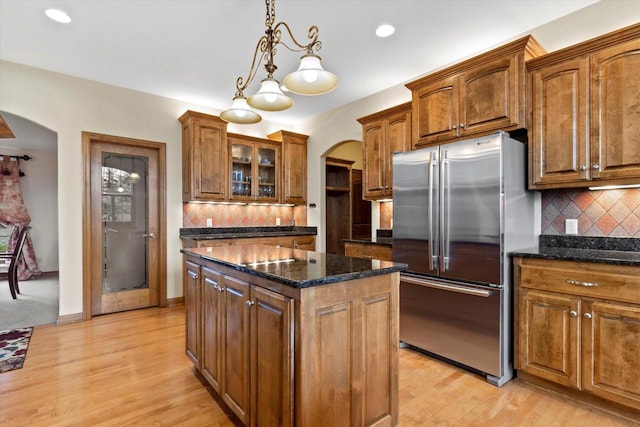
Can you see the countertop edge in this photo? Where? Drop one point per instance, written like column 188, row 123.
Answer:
column 570, row 255
column 395, row 268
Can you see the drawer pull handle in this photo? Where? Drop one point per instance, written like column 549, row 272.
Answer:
column 584, row 284
column 573, row 313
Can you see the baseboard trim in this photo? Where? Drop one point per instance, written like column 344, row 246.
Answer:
column 69, row 318
column 172, row 302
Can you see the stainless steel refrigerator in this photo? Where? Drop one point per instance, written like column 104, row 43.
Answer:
column 458, row 210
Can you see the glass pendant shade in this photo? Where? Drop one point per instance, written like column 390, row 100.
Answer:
column 310, row 78
column 240, row 112
column 270, row 97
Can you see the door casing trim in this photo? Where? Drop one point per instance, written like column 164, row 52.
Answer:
column 87, row 139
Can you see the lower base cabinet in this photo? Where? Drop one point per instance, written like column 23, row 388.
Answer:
column 579, row 327
column 284, row 356
column 239, row 322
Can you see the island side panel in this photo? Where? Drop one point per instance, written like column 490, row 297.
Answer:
column 347, row 353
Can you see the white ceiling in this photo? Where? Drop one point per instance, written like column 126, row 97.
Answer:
column 193, row 50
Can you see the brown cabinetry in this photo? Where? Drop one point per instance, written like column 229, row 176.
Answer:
column 306, row 242
column 294, row 166
column 204, row 157
column 212, row 324
column 193, row 312
column 558, row 144
column 585, row 123
column 368, row 250
column 255, row 169
column 272, row 355
column 383, row 134
column 478, row 96
column 240, row 337
column 579, row 326
column 217, row 166
column 261, row 342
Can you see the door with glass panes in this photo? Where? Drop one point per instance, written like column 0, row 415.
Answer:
column 125, row 224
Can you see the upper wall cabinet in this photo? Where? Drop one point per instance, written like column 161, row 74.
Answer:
column 585, row 114
column 478, row 96
column 294, row 166
column 204, row 157
column 217, row 166
column 255, row 169
column 383, row 134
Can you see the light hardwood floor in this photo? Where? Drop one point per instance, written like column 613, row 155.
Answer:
column 129, row 369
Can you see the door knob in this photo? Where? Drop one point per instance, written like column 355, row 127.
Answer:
column 588, row 316
column 573, row 313
column 150, row 235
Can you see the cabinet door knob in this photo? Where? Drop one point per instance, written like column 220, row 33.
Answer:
column 220, row 289
column 250, row 303
column 588, row 316
column 573, row 313
column 583, row 168
column 462, row 125
column 596, row 166
column 454, row 127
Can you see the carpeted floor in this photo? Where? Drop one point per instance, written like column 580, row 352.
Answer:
column 36, row 305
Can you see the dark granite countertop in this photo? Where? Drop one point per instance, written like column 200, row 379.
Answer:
column 294, row 267
column 606, row 250
column 212, row 233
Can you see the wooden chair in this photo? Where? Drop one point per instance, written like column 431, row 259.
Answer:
column 12, row 273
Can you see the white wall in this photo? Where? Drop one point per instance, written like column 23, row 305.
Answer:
column 68, row 106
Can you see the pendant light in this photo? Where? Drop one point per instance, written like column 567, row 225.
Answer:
column 309, row 79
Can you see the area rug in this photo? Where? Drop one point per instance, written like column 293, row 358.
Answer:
column 13, row 348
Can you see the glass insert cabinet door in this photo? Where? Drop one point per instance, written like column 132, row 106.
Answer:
column 254, row 175
column 124, row 219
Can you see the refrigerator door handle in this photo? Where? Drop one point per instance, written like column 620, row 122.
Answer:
column 446, row 287
column 433, row 258
column 444, row 210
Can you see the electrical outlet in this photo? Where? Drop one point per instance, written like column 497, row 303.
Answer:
column 277, row 221
column 209, row 222
column 570, row 226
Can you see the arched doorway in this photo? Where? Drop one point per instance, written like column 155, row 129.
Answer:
column 347, row 215
column 38, row 302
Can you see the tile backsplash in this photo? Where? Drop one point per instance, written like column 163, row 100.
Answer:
column 196, row 214
column 611, row 213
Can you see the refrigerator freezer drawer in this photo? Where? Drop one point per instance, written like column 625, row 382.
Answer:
column 457, row 321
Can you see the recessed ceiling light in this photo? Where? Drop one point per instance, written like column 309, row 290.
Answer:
column 58, row 15
column 385, row 30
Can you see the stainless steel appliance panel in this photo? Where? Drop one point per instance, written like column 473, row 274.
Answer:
column 457, row 321
column 415, row 210
column 470, row 210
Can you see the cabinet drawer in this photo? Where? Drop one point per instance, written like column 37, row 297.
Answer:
column 607, row 281
column 372, row 251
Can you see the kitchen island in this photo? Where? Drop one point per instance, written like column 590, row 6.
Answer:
column 294, row 337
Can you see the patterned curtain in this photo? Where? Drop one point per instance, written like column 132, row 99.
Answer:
column 14, row 212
